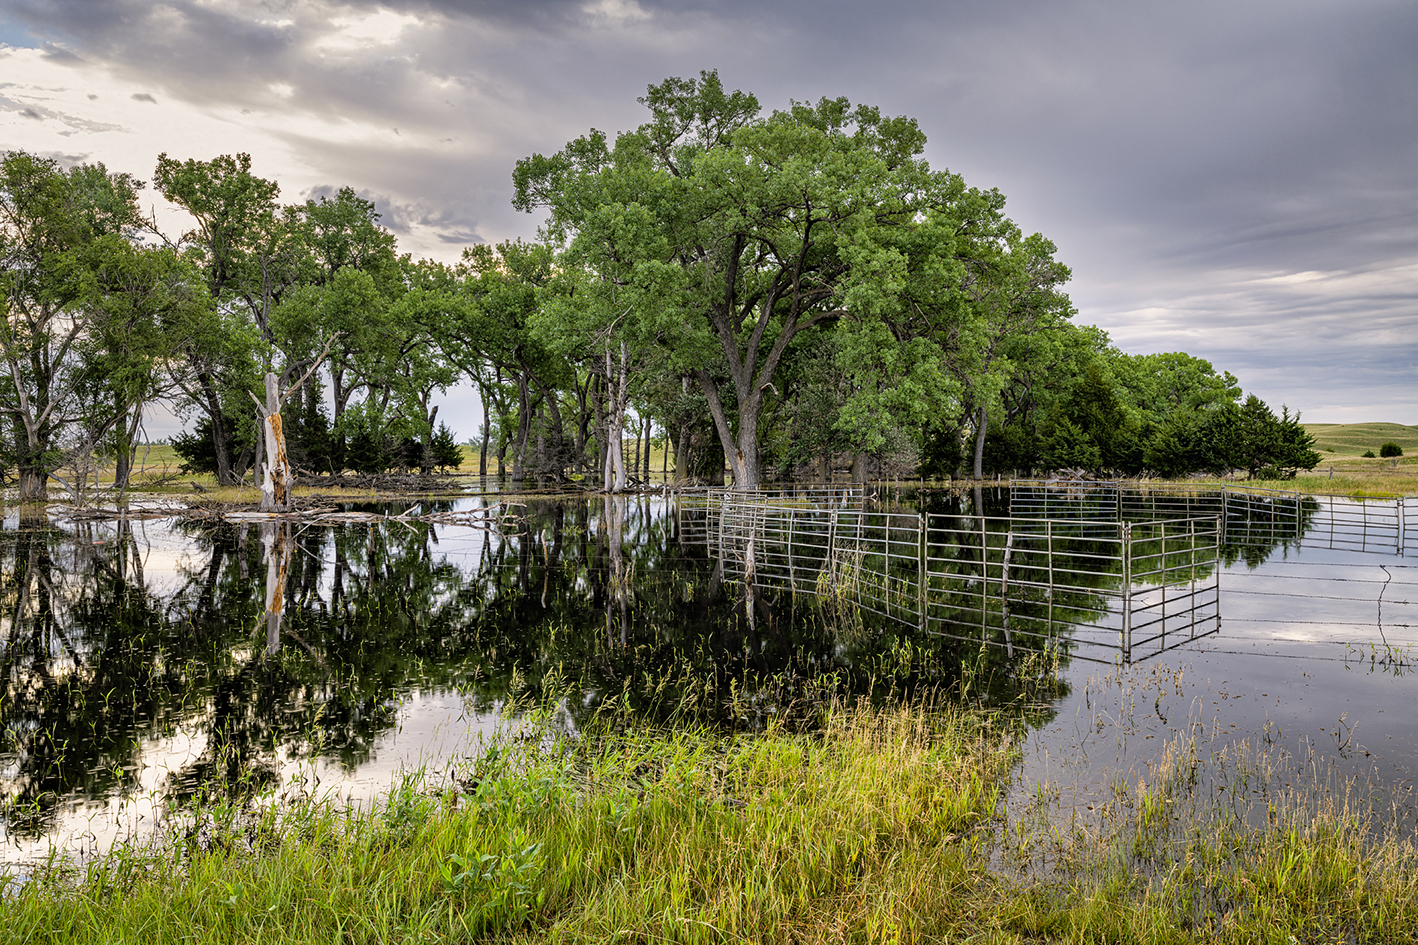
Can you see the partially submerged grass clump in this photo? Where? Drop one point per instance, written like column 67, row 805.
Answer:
column 1250, row 844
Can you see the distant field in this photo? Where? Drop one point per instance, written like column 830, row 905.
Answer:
column 1352, row 439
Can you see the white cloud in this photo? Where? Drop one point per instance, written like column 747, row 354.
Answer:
column 353, row 34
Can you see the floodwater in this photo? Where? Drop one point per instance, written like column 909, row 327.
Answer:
column 151, row 662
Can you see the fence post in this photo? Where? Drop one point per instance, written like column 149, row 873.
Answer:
column 792, row 572
column 723, row 501
column 1364, row 526
column 1126, row 541
column 1216, row 581
column 1191, row 573
column 1225, row 512
column 1049, row 540
column 1004, row 591
column 921, row 570
column 1401, row 524
column 1162, row 580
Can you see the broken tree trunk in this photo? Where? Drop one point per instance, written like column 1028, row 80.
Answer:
column 276, row 479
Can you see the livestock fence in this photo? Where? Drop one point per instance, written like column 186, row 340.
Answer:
column 1247, row 515
column 1106, row 590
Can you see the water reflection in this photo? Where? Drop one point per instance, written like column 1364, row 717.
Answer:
column 172, row 656
column 147, row 661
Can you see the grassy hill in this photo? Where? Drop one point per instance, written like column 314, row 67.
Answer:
column 1352, row 439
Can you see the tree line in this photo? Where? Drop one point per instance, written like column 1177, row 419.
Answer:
column 783, row 294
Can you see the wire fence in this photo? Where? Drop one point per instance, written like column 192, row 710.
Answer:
column 1249, row 515
column 1106, row 589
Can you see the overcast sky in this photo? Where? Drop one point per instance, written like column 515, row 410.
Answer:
column 1234, row 180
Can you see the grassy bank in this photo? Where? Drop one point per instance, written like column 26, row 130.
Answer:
column 1354, row 476
column 1354, row 439
column 886, row 826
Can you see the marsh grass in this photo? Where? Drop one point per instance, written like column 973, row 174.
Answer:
column 1251, row 844
column 882, row 825
column 835, row 823
column 864, row 829
column 1356, row 477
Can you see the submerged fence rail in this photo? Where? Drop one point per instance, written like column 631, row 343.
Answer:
column 1104, row 588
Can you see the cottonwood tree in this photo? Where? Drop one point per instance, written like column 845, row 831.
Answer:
column 251, row 254
column 1015, row 299
column 782, row 225
column 617, row 299
column 142, row 303
column 504, row 287
column 56, row 228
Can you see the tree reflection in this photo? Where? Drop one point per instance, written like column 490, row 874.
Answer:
column 261, row 643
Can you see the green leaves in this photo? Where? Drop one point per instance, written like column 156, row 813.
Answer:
column 718, row 237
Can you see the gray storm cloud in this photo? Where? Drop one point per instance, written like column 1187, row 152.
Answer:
column 1237, row 180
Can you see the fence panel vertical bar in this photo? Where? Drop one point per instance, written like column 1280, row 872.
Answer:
column 1126, row 542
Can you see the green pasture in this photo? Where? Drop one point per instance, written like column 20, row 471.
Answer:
column 1352, row 439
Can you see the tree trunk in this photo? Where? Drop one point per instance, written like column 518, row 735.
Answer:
column 980, row 424
column 487, row 432
column 613, row 474
column 127, row 447
column 426, row 457
column 597, row 392
column 276, row 479
column 524, row 428
column 633, row 453
column 741, row 451
column 213, row 406
column 123, row 454
column 557, row 466
column 34, row 481
column 861, row 468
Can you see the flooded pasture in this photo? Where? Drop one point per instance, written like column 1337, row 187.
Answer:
column 152, row 662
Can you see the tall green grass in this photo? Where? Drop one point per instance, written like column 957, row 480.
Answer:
column 857, row 830
column 885, row 825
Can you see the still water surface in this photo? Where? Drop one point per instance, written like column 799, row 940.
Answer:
column 141, row 669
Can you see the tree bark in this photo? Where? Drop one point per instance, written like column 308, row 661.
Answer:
column 980, row 425
column 213, row 406
column 742, row 450
column 276, row 479
column 617, row 374
column 487, row 431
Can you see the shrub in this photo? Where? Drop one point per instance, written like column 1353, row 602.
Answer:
column 1068, row 447
column 1390, row 449
column 446, row 452
column 366, row 452
column 1367, row 454
column 198, row 449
